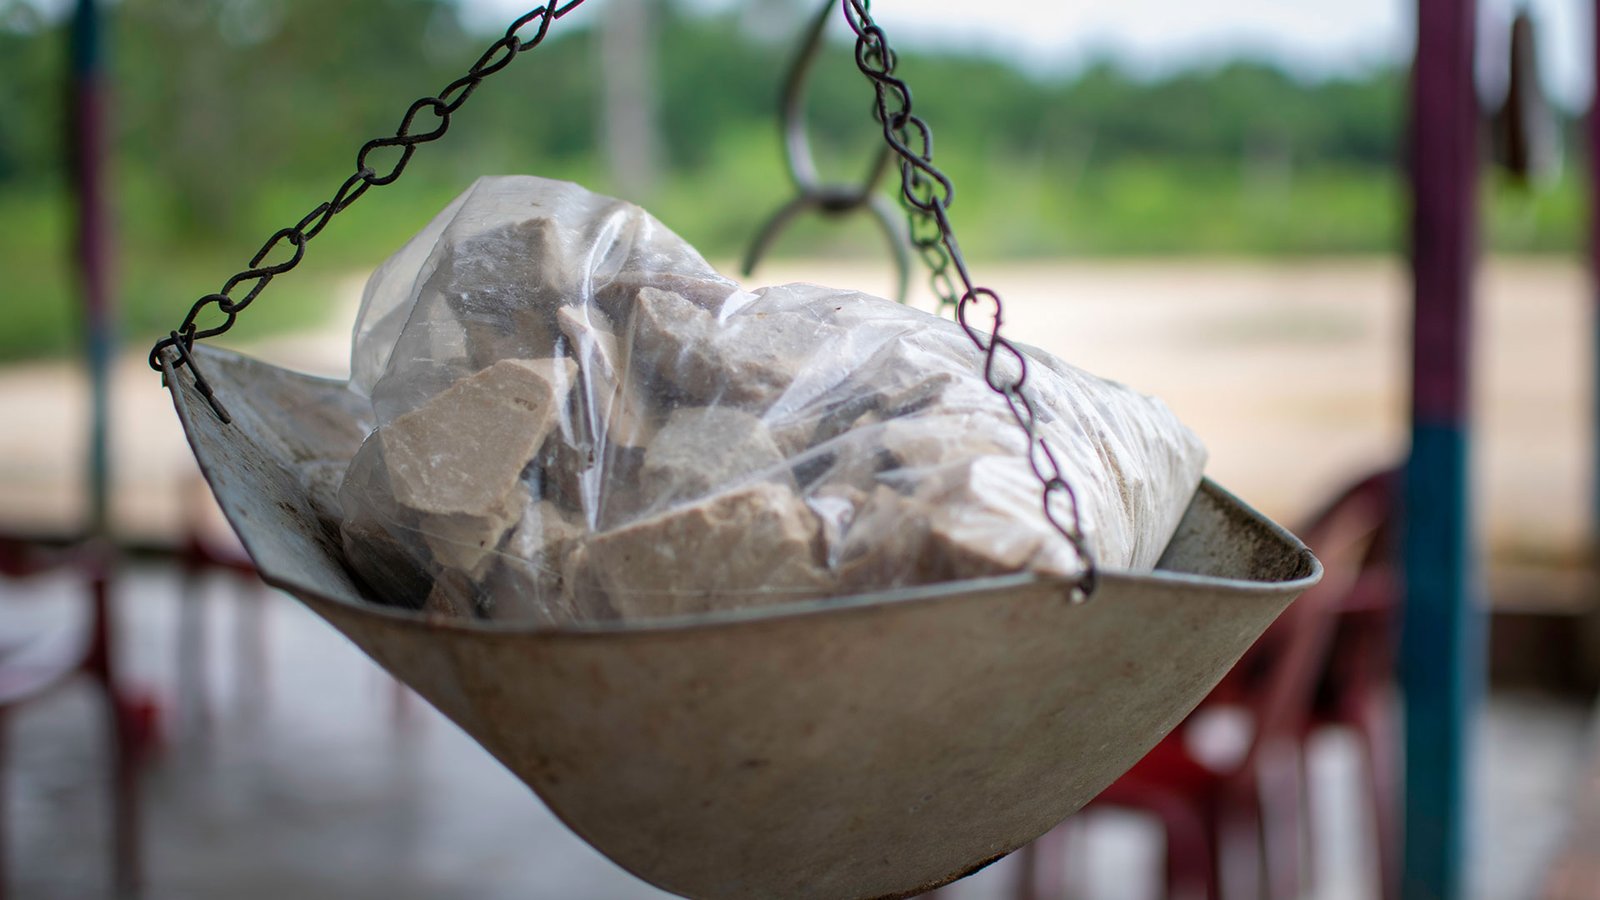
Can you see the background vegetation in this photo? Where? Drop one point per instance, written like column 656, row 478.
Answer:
column 234, row 117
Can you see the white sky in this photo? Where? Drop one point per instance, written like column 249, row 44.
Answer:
column 1313, row 37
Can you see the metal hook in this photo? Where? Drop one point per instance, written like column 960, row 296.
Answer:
column 181, row 357
column 830, row 200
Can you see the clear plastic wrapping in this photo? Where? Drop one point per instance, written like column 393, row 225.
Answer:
column 579, row 419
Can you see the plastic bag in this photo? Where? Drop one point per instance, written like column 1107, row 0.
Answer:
column 579, row 419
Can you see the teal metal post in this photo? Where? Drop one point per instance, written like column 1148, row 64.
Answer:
column 1594, row 276
column 1442, row 626
column 87, row 143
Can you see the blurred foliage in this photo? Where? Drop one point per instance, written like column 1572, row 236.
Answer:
column 235, row 117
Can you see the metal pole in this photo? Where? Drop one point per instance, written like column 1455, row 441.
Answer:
column 1442, row 627
column 86, row 142
column 628, row 120
column 1594, row 275
column 92, row 247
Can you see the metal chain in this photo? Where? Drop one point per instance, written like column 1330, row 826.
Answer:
column 927, row 194
column 925, row 190
column 260, row 273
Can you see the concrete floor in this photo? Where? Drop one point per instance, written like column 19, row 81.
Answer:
column 1293, row 373
column 301, row 771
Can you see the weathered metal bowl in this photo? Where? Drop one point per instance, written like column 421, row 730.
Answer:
column 871, row 746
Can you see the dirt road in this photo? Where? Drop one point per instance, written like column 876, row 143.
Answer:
column 1294, row 373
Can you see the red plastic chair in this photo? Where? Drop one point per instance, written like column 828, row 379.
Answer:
column 1234, row 822
column 31, row 669
column 1357, row 690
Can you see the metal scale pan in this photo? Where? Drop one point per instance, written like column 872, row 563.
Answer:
column 869, row 746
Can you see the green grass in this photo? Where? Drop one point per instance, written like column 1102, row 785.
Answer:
column 1004, row 209
column 156, row 278
column 35, row 281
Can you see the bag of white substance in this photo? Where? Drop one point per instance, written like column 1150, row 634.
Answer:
column 579, row 419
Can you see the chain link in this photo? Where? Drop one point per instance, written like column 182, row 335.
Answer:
column 927, row 194
column 832, row 200
column 416, row 128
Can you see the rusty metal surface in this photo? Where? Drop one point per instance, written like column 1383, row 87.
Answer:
column 865, row 747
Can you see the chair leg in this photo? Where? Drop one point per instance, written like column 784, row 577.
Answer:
column 1042, row 866
column 1239, row 863
column 128, row 729
column 1375, row 723
column 1027, row 861
column 1283, row 818
column 4, row 770
column 1309, row 871
column 252, row 677
column 126, row 833
column 403, row 713
column 193, row 701
column 1191, row 853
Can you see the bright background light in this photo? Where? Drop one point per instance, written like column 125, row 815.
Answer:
column 1315, row 38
